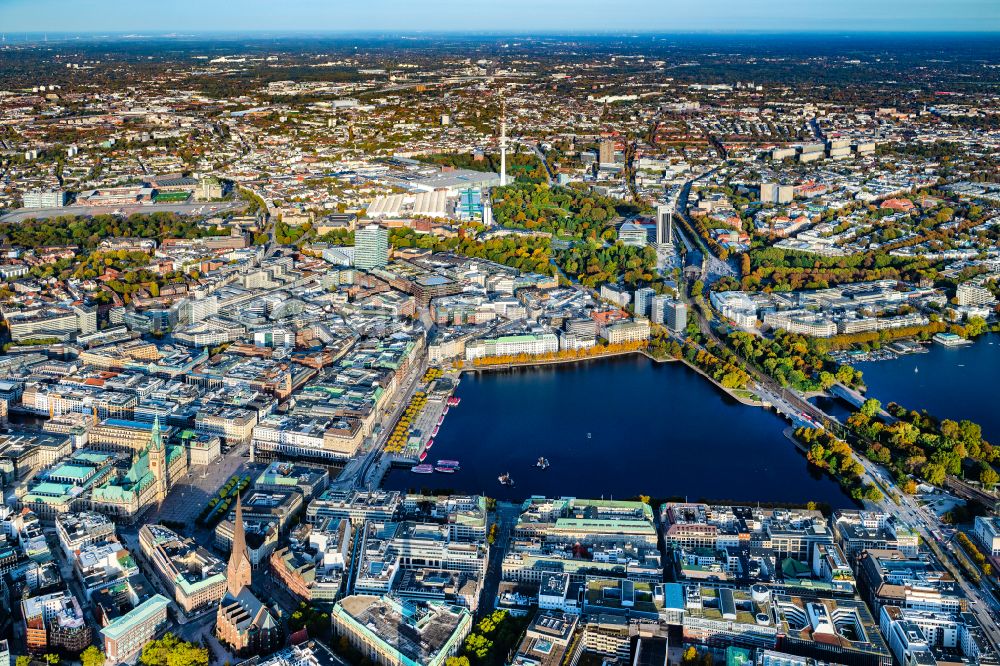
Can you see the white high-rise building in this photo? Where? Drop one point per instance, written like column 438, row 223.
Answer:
column 664, row 225
column 617, row 295
column 642, row 300
column 658, row 308
column 371, row 247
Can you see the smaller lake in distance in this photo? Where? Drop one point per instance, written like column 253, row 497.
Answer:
column 949, row 382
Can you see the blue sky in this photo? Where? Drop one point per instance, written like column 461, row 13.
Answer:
column 500, row 15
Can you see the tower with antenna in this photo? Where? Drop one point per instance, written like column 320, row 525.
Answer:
column 503, row 140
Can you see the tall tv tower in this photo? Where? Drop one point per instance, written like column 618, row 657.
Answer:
column 503, row 140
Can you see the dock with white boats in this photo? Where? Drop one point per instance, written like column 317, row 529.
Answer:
column 424, row 428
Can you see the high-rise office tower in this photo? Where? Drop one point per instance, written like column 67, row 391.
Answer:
column 371, row 247
column 664, row 225
column 607, row 152
column 642, row 299
column 658, row 307
column 675, row 316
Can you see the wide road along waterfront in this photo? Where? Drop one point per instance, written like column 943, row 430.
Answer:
column 616, row 427
column 949, row 382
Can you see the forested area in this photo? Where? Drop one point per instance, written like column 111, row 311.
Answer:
column 798, row 361
column 593, row 263
column 786, row 270
column 526, row 253
column 87, row 232
column 561, row 211
column 918, row 443
column 834, row 455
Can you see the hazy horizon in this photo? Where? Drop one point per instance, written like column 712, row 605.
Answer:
column 524, row 17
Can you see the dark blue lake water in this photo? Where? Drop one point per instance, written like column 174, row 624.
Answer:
column 617, row 427
column 949, row 382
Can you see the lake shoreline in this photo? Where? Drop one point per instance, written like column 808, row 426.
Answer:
column 642, row 352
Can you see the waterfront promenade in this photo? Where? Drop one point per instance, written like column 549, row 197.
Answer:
column 533, row 363
column 742, row 396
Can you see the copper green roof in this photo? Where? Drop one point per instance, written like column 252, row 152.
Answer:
column 137, row 616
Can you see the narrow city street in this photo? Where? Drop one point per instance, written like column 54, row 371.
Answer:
column 505, row 518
